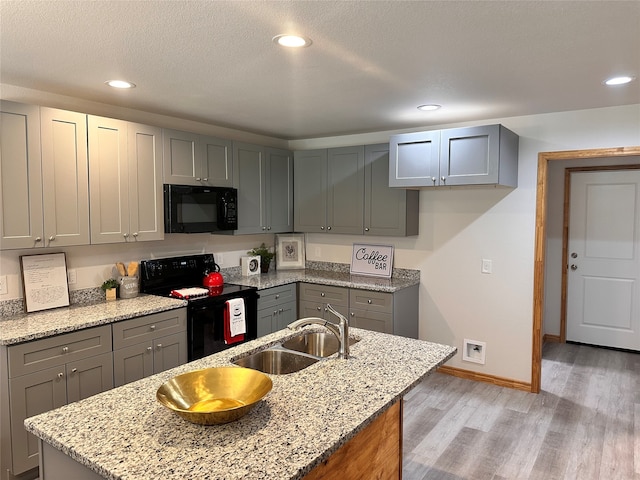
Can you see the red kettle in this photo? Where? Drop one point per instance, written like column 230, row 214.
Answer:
column 213, row 279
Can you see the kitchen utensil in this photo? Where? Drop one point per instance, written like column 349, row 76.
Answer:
column 132, row 269
column 214, row 395
column 121, row 270
column 214, row 279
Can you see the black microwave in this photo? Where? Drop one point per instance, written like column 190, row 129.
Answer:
column 200, row 209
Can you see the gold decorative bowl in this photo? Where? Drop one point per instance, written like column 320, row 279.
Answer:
column 214, row 395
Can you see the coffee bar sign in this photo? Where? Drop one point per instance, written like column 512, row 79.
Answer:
column 373, row 260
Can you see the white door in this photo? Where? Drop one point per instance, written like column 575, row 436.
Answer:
column 603, row 290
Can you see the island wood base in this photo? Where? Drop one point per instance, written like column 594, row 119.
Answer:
column 375, row 452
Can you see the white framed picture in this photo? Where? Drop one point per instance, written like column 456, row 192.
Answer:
column 290, row 251
column 44, row 278
column 372, row 260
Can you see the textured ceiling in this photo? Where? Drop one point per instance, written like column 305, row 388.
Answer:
column 370, row 65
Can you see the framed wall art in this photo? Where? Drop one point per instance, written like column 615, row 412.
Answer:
column 44, row 278
column 290, row 251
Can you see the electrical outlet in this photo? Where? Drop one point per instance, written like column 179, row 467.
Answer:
column 487, row 265
column 4, row 288
column 474, row 351
column 72, row 276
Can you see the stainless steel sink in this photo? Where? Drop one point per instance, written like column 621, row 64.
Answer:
column 320, row 344
column 276, row 362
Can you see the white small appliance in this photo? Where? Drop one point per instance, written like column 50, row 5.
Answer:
column 250, row 265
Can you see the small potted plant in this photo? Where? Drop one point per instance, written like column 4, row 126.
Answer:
column 109, row 288
column 265, row 256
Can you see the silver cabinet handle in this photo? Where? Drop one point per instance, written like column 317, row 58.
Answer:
column 152, row 327
column 328, row 228
column 353, row 314
column 277, row 296
column 366, row 229
column 149, row 349
column 52, row 238
column 322, row 294
column 443, row 179
column 135, row 234
column 369, row 301
column 74, row 370
column 125, row 235
column 319, row 308
column 574, row 267
column 321, row 228
column 61, row 375
column 198, row 179
column 65, row 349
column 38, row 239
column 268, row 228
column 281, row 310
column 264, row 228
column 205, row 179
column 159, row 345
column 433, row 179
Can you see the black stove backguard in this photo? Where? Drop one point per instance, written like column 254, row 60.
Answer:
column 205, row 315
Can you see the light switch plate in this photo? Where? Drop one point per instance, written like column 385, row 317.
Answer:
column 487, row 265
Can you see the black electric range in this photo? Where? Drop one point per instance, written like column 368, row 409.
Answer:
column 205, row 310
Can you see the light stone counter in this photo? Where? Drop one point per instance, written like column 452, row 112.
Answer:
column 126, row 434
column 32, row 326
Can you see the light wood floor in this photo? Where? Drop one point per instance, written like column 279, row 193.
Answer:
column 585, row 424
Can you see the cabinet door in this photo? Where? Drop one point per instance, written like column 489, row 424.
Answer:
column 20, row 176
column 249, row 178
column 345, row 190
column 169, row 352
column 31, row 395
column 65, row 173
column 89, row 377
column 109, row 180
column 216, row 162
column 279, row 189
column 146, row 202
column 181, row 157
column 132, row 363
column 387, row 211
column 310, row 191
column 375, row 321
column 414, row 159
column 144, row 329
column 470, row 156
column 265, row 321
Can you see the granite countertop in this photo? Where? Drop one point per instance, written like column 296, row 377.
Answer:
column 325, row 277
column 32, row 326
column 126, row 434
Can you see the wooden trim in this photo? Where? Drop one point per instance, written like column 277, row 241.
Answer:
column 483, row 377
column 540, row 245
column 547, row 338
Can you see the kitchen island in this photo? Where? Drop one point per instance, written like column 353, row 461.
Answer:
column 300, row 425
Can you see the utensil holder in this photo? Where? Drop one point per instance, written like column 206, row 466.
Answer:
column 128, row 287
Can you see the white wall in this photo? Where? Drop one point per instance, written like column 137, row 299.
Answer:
column 460, row 227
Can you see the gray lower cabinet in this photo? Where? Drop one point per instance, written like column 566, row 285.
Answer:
column 264, row 179
column 395, row 313
column 313, row 299
column 46, row 374
column 192, row 159
column 483, row 155
column 151, row 344
column 329, row 190
column 277, row 308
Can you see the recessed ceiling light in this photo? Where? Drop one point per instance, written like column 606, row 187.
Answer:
column 293, row 41
column 429, row 108
column 618, row 80
column 120, row 84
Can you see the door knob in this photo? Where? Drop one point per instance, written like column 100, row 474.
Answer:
column 574, row 267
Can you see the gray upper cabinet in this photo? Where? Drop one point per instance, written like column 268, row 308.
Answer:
column 484, row 155
column 414, row 159
column 44, row 177
column 329, row 190
column 264, row 179
column 192, row 159
column 387, row 211
column 126, row 202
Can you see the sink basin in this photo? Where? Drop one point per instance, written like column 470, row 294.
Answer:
column 276, row 362
column 320, row 344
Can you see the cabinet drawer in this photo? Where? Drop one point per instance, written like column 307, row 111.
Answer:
column 270, row 297
column 368, row 320
column 33, row 356
column 143, row 329
column 311, row 292
column 371, row 301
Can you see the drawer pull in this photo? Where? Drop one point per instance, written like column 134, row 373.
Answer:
column 319, row 308
column 322, row 294
column 74, row 370
column 61, row 375
column 159, row 345
column 369, row 301
column 148, row 349
column 152, row 327
column 65, row 349
column 277, row 296
column 353, row 314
